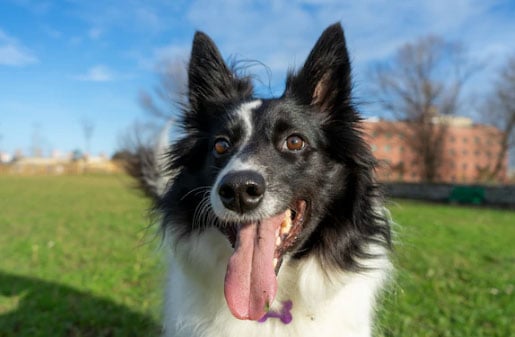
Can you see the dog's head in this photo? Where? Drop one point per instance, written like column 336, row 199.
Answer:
column 274, row 175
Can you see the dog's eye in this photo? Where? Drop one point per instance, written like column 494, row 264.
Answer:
column 294, row 143
column 221, row 146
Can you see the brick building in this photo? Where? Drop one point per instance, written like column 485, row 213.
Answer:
column 469, row 149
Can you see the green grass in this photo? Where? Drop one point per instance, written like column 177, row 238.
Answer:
column 76, row 259
column 455, row 272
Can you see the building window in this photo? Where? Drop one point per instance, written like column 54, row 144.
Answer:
column 373, row 147
column 452, row 152
column 453, row 139
column 465, row 140
column 464, row 152
column 464, row 166
column 387, row 148
column 477, row 139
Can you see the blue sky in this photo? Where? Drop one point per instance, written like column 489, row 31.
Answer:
column 62, row 62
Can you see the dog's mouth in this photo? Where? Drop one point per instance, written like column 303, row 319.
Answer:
column 259, row 248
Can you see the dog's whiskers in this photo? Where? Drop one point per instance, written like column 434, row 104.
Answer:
column 196, row 190
column 203, row 216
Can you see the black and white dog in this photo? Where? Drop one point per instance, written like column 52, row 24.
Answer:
column 276, row 222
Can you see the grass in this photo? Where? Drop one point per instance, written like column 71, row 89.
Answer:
column 456, row 272
column 76, row 260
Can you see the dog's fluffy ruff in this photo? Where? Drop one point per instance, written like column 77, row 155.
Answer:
column 325, row 303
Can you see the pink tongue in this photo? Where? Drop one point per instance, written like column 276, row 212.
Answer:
column 250, row 282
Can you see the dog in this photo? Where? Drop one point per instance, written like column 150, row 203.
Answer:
column 275, row 220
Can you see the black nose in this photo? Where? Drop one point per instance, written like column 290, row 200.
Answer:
column 242, row 191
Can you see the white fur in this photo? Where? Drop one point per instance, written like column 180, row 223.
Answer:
column 244, row 112
column 325, row 302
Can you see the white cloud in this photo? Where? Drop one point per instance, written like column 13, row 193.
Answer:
column 95, row 33
column 98, row 73
column 12, row 53
column 281, row 33
column 130, row 15
column 160, row 55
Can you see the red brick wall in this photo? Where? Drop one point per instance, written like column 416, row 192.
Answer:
column 468, row 149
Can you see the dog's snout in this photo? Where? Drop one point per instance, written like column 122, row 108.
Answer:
column 242, row 191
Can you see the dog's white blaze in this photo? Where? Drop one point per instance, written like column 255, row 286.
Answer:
column 244, row 113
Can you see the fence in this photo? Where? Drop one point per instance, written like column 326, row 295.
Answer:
column 500, row 196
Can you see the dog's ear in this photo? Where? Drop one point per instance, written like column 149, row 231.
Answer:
column 209, row 78
column 325, row 79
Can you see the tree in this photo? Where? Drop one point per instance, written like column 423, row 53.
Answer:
column 142, row 144
column 170, row 92
column 87, row 127
column 420, row 86
column 499, row 111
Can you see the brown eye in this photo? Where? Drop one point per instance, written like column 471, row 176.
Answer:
column 221, row 146
column 294, row 143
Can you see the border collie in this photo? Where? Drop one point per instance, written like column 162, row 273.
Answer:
column 270, row 205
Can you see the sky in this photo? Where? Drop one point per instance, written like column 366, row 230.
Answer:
column 65, row 63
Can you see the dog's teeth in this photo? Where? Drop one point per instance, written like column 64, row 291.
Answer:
column 275, row 261
column 278, row 241
column 286, row 224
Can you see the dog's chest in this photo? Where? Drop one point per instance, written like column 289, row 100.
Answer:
column 195, row 303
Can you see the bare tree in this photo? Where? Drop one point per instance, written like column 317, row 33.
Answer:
column 37, row 141
column 141, row 145
column 421, row 84
column 499, row 111
column 170, row 91
column 87, row 127
column 161, row 108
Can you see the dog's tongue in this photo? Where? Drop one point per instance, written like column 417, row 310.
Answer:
column 250, row 281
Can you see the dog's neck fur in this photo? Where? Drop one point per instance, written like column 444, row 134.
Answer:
column 323, row 304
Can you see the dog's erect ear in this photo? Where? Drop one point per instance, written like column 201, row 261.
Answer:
column 209, row 78
column 325, row 78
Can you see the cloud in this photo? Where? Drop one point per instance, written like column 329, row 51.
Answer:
column 12, row 53
column 159, row 56
column 95, row 33
column 130, row 15
column 281, row 33
column 98, row 73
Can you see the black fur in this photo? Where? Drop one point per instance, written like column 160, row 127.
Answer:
column 333, row 173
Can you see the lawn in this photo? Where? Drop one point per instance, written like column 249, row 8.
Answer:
column 455, row 272
column 77, row 259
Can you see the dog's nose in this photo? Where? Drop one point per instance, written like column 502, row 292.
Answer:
column 242, row 191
